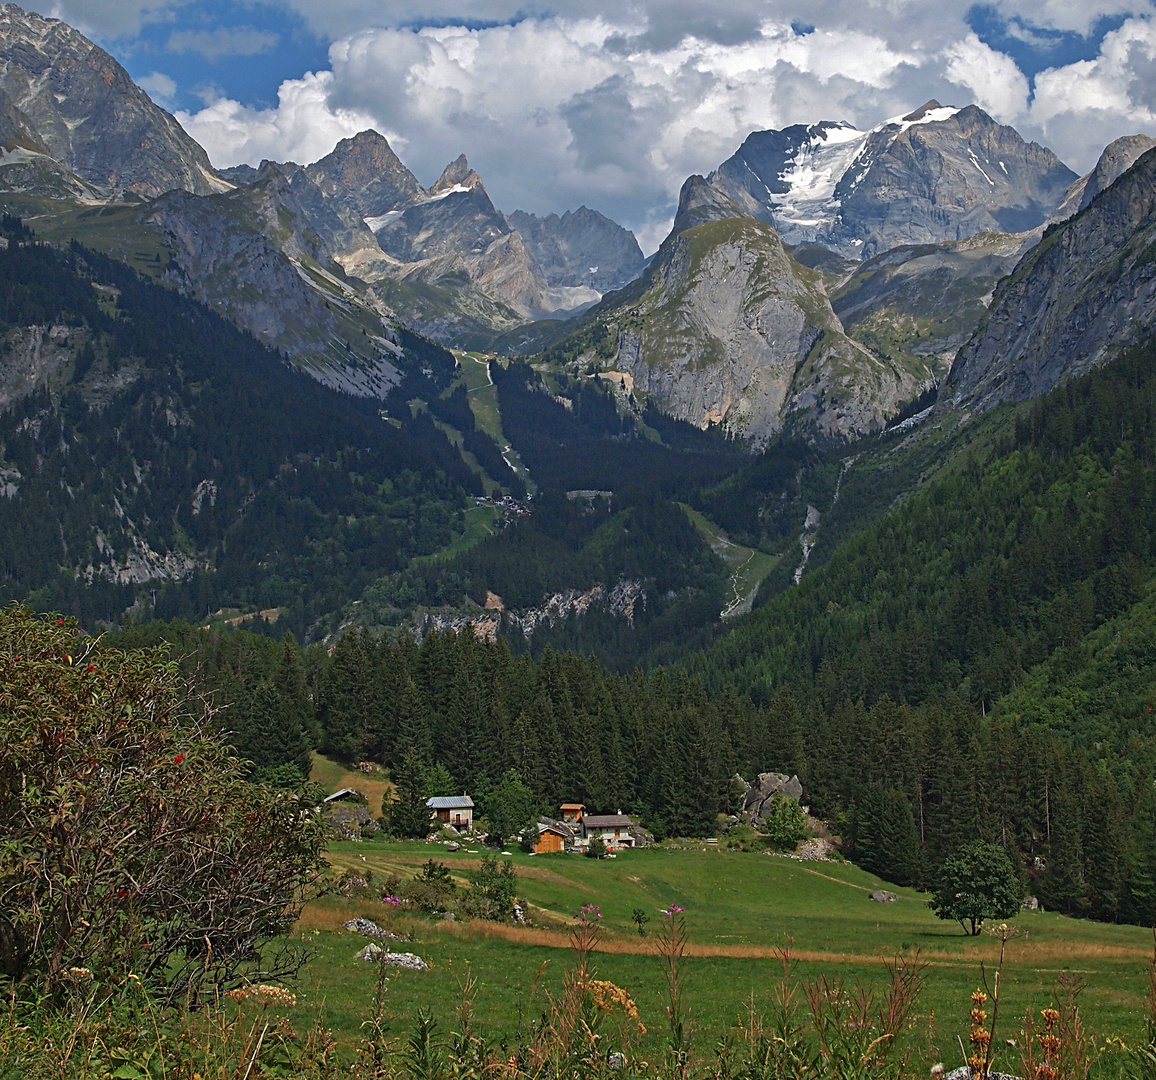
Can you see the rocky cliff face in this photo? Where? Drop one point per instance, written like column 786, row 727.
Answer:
column 726, row 328
column 1087, row 289
column 1118, row 157
column 81, row 109
column 580, row 249
column 936, row 174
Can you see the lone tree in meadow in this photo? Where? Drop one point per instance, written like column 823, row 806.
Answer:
column 978, row 882
column 130, row 842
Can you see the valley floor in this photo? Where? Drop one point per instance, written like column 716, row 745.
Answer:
column 741, row 907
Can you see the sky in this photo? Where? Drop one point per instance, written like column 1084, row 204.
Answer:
column 613, row 103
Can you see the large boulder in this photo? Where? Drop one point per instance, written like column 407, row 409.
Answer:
column 758, row 796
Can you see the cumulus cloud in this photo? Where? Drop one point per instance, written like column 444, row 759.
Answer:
column 303, row 127
column 1085, row 105
column 992, row 78
column 614, row 104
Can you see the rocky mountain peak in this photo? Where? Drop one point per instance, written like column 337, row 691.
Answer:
column 80, row 105
column 364, row 173
column 1118, row 157
column 936, row 174
column 921, row 112
column 700, row 201
column 582, row 248
column 457, row 174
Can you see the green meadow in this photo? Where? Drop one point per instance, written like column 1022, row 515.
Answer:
column 741, row 909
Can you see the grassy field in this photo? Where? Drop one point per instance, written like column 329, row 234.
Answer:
column 483, row 394
column 740, row 908
column 748, row 565
column 336, row 776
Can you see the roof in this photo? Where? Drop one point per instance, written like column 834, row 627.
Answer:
column 450, row 802
column 559, row 827
column 342, row 794
column 607, row 821
column 573, row 806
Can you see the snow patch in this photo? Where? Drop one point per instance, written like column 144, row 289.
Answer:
column 455, row 190
column 379, row 222
column 975, row 162
column 811, row 177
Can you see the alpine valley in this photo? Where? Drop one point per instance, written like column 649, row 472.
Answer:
column 853, row 479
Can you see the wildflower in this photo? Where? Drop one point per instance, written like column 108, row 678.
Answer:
column 91, row 667
column 673, row 910
column 393, row 901
column 59, row 622
column 80, row 973
column 178, row 759
column 263, row 995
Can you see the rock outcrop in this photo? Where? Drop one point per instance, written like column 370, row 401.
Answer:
column 80, row 108
column 1118, row 157
column 759, row 795
column 1087, row 289
column 935, row 174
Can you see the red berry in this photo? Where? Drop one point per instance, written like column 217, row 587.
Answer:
column 179, row 758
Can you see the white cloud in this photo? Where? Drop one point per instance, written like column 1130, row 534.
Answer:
column 1086, row 105
column 159, row 87
column 109, row 18
column 223, row 41
column 614, row 104
column 302, row 128
column 995, row 83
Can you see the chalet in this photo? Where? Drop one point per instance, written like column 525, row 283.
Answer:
column 612, row 829
column 455, row 810
column 573, row 811
column 553, row 836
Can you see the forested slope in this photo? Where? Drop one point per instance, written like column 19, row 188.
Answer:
column 148, row 444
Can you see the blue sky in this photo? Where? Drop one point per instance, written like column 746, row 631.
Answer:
column 613, row 103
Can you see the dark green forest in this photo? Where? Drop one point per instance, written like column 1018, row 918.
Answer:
column 171, row 431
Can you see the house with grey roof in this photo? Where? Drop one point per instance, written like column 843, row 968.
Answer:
column 455, row 810
column 612, row 829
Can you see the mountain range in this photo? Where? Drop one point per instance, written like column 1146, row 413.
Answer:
column 821, row 285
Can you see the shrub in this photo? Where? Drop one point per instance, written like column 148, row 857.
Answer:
column 492, row 889
column 129, row 840
column 785, row 823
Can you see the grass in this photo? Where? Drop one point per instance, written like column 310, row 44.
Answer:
column 748, row 566
column 335, row 776
column 483, row 396
column 740, row 908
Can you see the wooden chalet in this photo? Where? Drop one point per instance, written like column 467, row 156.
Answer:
column 553, row 836
column 612, row 829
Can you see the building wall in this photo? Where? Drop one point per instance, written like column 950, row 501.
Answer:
column 548, row 841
